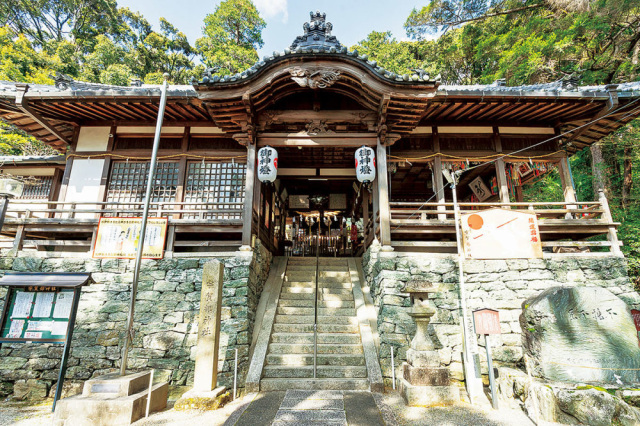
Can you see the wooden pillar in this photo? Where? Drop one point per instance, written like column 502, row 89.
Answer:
column 383, row 197
column 565, row 179
column 247, row 217
column 437, row 175
column 612, row 235
column 365, row 215
column 501, row 172
column 376, row 208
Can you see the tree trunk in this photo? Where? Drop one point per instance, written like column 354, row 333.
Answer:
column 627, row 180
column 598, row 167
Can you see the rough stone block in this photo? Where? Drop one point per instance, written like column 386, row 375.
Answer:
column 425, row 376
column 428, row 396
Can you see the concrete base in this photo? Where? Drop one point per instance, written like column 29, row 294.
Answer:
column 428, row 396
column 111, row 400
column 202, row 400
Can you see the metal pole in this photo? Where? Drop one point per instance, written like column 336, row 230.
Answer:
column 235, row 376
column 315, row 310
column 4, row 203
column 469, row 362
column 393, row 370
column 149, row 393
column 143, row 229
column 492, row 380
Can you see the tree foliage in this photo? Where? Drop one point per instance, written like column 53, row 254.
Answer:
column 232, row 35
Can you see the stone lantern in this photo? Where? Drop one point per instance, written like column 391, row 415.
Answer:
column 424, row 381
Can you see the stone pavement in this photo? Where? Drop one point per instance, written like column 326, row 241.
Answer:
column 299, row 407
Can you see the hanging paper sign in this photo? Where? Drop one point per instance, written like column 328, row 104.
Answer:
column 118, row 238
column 267, row 164
column 365, row 164
column 501, row 234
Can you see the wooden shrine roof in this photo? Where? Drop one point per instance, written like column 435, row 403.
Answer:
column 244, row 104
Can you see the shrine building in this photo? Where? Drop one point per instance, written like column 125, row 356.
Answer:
column 310, row 239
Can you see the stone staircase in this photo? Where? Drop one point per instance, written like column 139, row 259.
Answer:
column 340, row 360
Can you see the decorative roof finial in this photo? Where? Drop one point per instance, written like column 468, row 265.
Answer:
column 317, row 34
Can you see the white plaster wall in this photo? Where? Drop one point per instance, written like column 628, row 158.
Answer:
column 93, row 139
column 84, row 184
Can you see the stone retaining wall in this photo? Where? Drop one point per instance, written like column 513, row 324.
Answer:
column 165, row 322
column 496, row 284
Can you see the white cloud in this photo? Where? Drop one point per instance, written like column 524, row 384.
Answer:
column 272, row 8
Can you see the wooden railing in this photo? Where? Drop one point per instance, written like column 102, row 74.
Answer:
column 72, row 226
column 429, row 227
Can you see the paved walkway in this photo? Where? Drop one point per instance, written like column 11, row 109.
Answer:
column 302, row 408
column 298, row 407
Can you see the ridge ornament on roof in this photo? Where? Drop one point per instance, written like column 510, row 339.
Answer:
column 317, row 34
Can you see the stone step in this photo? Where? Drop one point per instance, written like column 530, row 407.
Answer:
column 321, row 359
column 294, row 267
column 336, row 311
column 323, row 338
column 307, row 302
column 300, row 275
column 307, row 348
column 314, row 384
column 301, row 260
column 299, row 279
column 323, row 303
column 336, row 285
column 295, row 319
column 297, row 296
column 330, row 290
column 336, row 319
column 295, row 311
column 292, row 289
column 322, row 328
column 333, row 262
column 335, row 297
column 334, row 274
column 323, row 268
column 322, row 371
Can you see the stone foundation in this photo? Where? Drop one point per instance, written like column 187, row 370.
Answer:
column 496, row 284
column 166, row 318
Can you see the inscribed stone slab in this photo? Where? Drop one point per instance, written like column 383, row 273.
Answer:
column 206, row 370
column 581, row 335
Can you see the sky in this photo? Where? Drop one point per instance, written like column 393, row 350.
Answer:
column 352, row 19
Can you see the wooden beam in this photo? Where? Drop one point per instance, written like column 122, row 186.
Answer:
column 23, row 105
column 566, row 181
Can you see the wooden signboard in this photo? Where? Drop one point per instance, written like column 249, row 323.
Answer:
column 41, row 308
column 118, row 237
column 298, row 201
column 501, row 234
column 486, row 321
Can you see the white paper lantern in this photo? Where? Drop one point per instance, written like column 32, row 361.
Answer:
column 365, row 164
column 267, row 164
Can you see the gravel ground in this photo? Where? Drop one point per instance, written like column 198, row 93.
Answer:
column 391, row 405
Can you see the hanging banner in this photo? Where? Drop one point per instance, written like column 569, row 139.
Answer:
column 118, row 238
column 501, row 234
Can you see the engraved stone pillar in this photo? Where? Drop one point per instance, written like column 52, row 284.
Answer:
column 206, row 371
column 424, row 381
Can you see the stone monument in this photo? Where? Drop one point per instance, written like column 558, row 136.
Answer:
column 424, row 381
column 205, row 393
column 580, row 335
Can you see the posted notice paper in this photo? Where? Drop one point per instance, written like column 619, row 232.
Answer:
column 22, row 304
column 63, row 304
column 44, row 303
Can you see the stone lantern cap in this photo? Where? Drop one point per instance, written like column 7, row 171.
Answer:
column 418, row 285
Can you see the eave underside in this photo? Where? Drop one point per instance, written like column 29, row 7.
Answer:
column 403, row 113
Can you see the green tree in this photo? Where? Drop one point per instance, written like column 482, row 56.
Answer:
column 232, row 35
